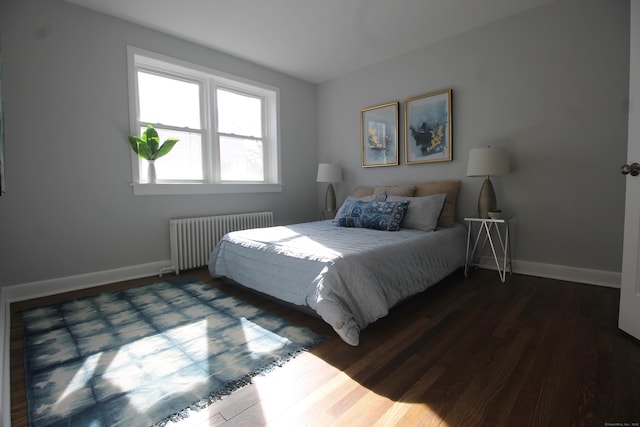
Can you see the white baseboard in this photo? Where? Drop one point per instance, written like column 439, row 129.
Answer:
column 44, row 288
column 609, row 279
column 25, row 291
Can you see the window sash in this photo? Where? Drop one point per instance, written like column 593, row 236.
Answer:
column 209, row 81
column 176, row 79
column 240, row 165
column 192, row 170
column 247, row 97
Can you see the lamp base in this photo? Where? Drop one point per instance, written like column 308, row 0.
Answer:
column 330, row 199
column 487, row 199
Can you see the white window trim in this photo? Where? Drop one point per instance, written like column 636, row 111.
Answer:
column 172, row 189
column 272, row 158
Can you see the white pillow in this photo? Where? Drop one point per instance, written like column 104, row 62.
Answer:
column 422, row 212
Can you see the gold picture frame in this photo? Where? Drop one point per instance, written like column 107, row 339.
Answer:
column 427, row 128
column 379, row 135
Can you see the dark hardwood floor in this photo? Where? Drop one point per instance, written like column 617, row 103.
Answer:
column 467, row 352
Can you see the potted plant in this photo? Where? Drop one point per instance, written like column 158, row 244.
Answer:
column 147, row 146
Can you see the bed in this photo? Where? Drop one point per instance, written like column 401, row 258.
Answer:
column 348, row 271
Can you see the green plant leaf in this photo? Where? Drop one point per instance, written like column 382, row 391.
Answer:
column 152, row 139
column 134, row 141
column 166, row 147
column 147, row 146
column 144, row 151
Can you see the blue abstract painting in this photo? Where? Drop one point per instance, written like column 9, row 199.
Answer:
column 428, row 128
column 379, row 128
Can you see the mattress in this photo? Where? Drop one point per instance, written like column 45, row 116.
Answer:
column 349, row 276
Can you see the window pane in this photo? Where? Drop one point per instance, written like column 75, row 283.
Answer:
column 241, row 159
column 239, row 114
column 168, row 101
column 184, row 161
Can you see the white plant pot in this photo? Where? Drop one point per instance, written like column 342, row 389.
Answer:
column 151, row 172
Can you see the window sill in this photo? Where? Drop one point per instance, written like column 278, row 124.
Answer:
column 176, row 189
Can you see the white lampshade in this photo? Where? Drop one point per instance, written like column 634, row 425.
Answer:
column 488, row 161
column 328, row 172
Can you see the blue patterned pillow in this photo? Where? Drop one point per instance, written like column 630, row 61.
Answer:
column 376, row 197
column 377, row 215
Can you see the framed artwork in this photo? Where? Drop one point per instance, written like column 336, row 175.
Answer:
column 379, row 135
column 427, row 128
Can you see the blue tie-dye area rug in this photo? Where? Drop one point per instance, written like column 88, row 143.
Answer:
column 143, row 356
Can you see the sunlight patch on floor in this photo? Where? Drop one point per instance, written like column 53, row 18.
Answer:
column 151, row 359
column 260, row 340
column 394, row 415
column 283, row 393
column 293, row 395
column 81, row 377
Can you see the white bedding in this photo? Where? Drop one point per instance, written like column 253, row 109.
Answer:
column 349, row 276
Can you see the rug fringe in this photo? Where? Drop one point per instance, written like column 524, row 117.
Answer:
column 232, row 386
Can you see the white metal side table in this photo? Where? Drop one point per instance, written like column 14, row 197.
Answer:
column 498, row 239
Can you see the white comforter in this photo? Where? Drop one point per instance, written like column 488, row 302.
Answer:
column 349, row 276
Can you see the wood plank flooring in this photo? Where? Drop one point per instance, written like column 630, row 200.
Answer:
column 467, row 352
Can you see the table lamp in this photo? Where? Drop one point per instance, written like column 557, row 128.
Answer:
column 486, row 162
column 328, row 172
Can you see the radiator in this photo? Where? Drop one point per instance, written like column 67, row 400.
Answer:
column 193, row 239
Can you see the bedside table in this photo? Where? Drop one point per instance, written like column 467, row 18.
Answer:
column 498, row 240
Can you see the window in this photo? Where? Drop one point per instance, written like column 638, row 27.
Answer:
column 227, row 128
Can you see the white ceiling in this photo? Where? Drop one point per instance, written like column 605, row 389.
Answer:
column 315, row 40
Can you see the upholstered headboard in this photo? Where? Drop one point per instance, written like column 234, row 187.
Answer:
column 449, row 187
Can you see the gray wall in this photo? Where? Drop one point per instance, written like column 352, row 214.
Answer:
column 69, row 208
column 550, row 85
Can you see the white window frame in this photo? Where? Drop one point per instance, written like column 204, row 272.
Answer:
column 210, row 81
